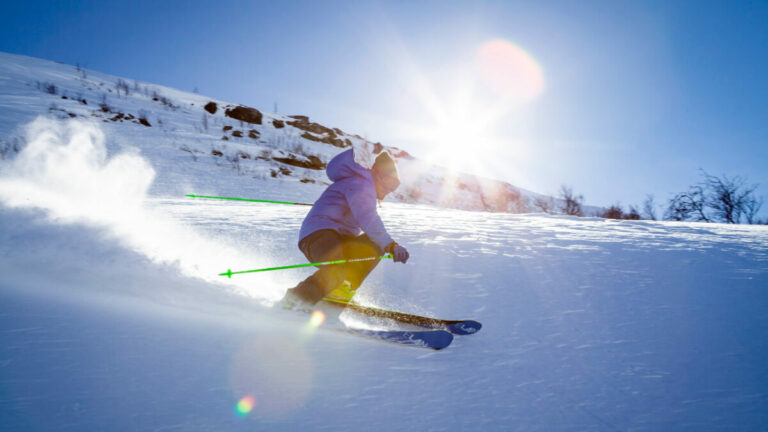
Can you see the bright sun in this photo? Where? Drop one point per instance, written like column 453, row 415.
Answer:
column 462, row 117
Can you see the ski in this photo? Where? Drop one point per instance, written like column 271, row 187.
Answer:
column 458, row 327
column 433, row 339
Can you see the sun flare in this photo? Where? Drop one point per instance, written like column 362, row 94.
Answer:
column 510, row 70
column 465, row 108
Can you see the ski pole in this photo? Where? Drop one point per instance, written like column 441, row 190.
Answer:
column 246, row 199
column 229, row 272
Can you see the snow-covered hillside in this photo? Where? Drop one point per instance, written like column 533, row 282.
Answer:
column 113, row 317
column 208, row 146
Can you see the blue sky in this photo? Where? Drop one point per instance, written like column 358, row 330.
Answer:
column 637, row 96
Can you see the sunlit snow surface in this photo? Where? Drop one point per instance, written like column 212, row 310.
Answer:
column 588, row 325
column 112, row 316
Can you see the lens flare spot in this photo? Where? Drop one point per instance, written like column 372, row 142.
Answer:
column 509, row 69
column 245, row 405
column 276, row 371
column 317, row 319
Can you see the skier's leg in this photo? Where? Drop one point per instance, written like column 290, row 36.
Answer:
column 324, row 245
column 360, row 247
column 354, row 273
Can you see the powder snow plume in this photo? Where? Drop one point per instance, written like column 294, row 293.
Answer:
column 65, row 171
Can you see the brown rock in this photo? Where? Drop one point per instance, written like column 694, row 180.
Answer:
column 211, row 107
column 246, row 114
column 313, row 162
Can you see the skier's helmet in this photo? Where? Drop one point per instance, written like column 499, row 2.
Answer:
column 385, row 171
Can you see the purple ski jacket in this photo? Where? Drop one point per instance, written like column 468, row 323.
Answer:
column 348, row 206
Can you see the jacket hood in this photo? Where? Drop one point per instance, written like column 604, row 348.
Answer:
column 344, row 166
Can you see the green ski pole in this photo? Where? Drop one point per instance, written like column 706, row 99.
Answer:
column 229, row 272
column 246, row 199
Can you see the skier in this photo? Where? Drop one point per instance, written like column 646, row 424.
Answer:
column 343, row 224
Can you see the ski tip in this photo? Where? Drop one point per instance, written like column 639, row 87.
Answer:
column 439, row 339
column 466, row 327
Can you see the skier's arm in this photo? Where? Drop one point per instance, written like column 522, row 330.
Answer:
column 362, row 203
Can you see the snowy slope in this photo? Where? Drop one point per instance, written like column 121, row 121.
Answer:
column 208, row 152
column 112, row 316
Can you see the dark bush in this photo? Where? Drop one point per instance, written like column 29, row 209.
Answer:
column 47, row 87
column 613, row 212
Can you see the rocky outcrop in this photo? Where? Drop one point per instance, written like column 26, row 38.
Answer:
column 312, row 162
column 246, row 114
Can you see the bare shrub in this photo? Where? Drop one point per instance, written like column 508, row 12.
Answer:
column 688, row 205
column 47, row 87
column 122, row 85
column 716, row 199
column 104, row 105
column 545, row 205
column 5, row 148
column 632, row 214
column 235, row 161
column 190, row 151
column 731, row 198
column 751, row 207
column 157, row 97
column 613, row 212
column 9, row 148
column 572, row 204
column 83, row 74
column 649, row 208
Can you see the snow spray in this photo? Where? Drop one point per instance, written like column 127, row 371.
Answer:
column 65, row 170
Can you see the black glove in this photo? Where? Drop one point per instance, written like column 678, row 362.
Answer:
column 399, row 253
